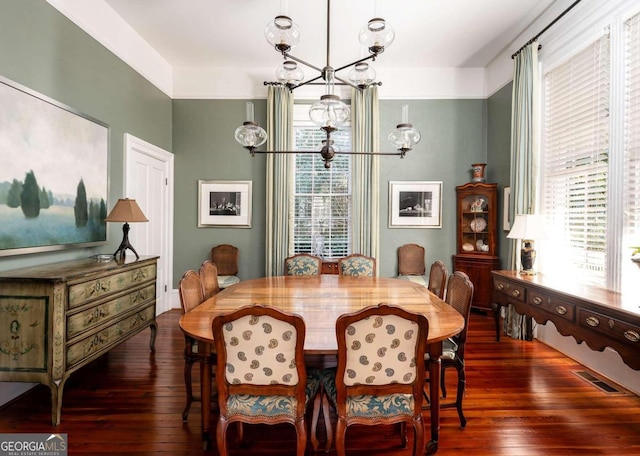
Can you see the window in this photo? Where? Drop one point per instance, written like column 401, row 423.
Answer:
column 575, row 160
column 590, row 163
column 322, row 197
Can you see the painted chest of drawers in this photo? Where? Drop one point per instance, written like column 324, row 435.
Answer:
column 56, row 318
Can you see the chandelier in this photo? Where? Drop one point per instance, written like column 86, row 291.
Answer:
column 329, row 112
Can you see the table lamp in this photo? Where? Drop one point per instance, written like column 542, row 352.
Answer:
column 126, row 210
column 527, row 227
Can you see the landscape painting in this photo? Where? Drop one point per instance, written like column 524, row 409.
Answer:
column 53, row 174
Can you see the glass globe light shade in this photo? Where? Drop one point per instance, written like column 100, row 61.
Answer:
column 282, row 33
column 289, row 73
column 404, row 137
column 362, row 74
column 329, row 111
column 376, row 35
column 250, row 135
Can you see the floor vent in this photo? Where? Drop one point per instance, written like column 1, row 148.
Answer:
column 599, row 383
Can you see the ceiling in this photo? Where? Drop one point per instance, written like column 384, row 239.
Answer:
column 230, row 33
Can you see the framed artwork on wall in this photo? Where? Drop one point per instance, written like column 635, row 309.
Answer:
column 224, row 203
column 506, row 205
column 54, row 165
column 415, row 204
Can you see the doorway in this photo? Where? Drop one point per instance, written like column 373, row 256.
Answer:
column 149, row 180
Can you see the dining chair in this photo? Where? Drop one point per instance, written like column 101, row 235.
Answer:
column 191, row 296
column 261, row 376
column 209, row 276
column 438, row 278
column 357, row 265
column 411, row 263
column 302, row 264
column 459, row 296
column 225, row 257
column 377, row 379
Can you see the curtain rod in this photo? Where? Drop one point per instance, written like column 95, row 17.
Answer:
column 545, row 29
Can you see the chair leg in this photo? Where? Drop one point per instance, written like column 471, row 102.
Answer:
column 314, row 419
column 221, row 436
column 327, row 423
column 301, row 433
column 188, row 365
column 341, row 430
column 462, row 384
column 419, row 442
column 443, row 387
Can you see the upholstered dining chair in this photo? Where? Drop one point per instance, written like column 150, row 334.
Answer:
column 411, row 263
column 438, row 278
column 209, row 276
column 459, row 295
column 191, row 296
column 225, row 257
column 377, row 380
column 302, row 264
column 261, row 376
column 357, row 265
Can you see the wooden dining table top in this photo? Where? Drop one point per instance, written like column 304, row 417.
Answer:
column 320, row 300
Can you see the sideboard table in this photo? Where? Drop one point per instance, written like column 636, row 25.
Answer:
column 598, row 317
column 56, row 318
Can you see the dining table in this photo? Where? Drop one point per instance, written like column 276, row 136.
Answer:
column 320, row 300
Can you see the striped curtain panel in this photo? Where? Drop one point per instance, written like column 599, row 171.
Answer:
column 524, row 151
column 279, row 178
column 366, row 174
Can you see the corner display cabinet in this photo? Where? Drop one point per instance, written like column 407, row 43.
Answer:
column 477, row 235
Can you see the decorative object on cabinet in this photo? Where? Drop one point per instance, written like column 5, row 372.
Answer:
column 477, row 235
column 599, row 317
column 65, row 315
column 527, row 227
column 478, row 172
column 224, row 203
column 126, row 210
column 54, row 155
column 415, row 204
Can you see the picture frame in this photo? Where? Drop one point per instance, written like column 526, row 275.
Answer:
column 506, row 209
column 224, row 203
column 54, row 174
column 415, row 204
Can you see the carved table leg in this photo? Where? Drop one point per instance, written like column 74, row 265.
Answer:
column 154, row 332
column 497, row 310
column 435, row 370
column 205, row 393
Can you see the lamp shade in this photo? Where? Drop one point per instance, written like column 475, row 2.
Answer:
column 529, row 227
column 126, row 210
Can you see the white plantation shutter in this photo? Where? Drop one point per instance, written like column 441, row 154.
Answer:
column 632, row 129
column 575, row 161
column 322, row 197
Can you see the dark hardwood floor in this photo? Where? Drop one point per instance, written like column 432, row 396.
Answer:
column 523, row 398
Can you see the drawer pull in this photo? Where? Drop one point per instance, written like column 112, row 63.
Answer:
column 500, row 286
column 593, row 321
column 633, row 336
column 536, row 300
column 561, row 310
column 515, row 293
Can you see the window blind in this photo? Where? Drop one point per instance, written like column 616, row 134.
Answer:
column 575, row 160
column 631, row 202
column 322, row 197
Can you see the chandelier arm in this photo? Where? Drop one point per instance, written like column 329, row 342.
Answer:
column 401, row 153
column 345, row 82
column 306, row 82
column 310, row 65
column 364, row 59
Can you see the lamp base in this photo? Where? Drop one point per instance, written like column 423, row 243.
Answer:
column 125, row 244
column 527, row 258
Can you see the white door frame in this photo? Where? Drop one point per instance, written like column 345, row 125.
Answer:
column 137, row 145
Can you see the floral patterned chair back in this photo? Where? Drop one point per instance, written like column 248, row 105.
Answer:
column 261, row 376
column 357, row 265
column 380, row 374
column 302, row 264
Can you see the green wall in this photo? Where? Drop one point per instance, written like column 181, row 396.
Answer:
column 45, row 52
column 499, row 156
column 42, row 50
column 453, row 137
